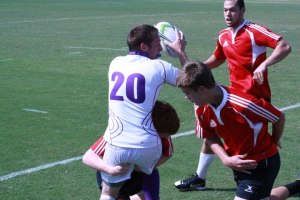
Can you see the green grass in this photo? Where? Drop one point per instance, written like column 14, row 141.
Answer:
column 40, row 68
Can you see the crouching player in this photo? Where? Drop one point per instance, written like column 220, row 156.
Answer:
column 140, row 186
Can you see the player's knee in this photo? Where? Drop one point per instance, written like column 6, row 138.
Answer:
column 106, row 197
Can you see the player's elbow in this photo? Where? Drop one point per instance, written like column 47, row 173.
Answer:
column 288, row 48
column 280, row 123
column 86, row 158
column 285, row 46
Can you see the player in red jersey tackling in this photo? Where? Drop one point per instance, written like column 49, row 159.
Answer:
column 235, row 127
column 243, row 44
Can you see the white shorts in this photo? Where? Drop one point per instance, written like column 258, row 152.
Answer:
column 144, row 158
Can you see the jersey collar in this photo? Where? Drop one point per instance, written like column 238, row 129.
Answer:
column 140, row 53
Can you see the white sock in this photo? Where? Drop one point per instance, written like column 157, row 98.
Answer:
column 205, row 161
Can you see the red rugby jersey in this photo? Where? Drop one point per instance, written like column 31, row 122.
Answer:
column 241, row 121
column 245, row 50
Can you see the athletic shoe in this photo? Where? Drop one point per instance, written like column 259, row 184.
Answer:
column 192, row 183
column 298, row 177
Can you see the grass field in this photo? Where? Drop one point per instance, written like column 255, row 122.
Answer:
column 53, row 85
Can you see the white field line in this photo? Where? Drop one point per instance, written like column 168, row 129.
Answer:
column 4, row 60
column 290, row 107
column 95, row 48
column 75, row 53
column 123, row 16
column 35, row 169
column 63, row 162
column 34, row 110
column 98, row 17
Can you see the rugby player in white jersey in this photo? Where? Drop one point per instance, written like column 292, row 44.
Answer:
column 135, row 81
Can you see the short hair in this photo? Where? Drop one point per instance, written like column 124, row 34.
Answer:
column 165, row 118
column 195, row 74
column 240, row 3
column 141, row 34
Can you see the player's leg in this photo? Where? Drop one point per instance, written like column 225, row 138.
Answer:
column 206, row 158
column 99, row 180
column 138, row 196
column 283, row 192
column 111, row 184
column 197, row 181
column 151, row 185
column 109, row 192
column 258, row 184
column 132, row 186
column 279, row 193
column 145, row 159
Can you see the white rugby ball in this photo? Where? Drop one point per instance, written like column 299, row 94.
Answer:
column 167, row 32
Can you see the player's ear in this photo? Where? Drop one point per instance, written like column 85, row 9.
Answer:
column 201, row 89
column 143, row 47
column 243, row 10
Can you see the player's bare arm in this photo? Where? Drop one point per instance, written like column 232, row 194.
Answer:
column 282, row 49
column 277, row 130
column 213, row 62
column 162, row 160
column 179, row 47
column 91, row 159
column 236, row 162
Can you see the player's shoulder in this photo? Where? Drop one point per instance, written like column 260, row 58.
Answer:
column 223, row 31
column 201, row 109
column 162, row 64
column 160, row 61
column 117, row 59
column 254, row 27
column 252, row 24
column 239, row 97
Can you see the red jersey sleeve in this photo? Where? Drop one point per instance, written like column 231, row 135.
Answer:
column 99, row 147
column 203, row 130
column 218, row 53
column 264, row 36
column 167, row 146
column 257, row 110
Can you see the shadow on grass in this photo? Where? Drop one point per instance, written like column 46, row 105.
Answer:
column 220, row 189
column 210, row 190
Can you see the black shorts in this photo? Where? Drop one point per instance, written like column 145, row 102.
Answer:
column 130, row 187
column 259, row 183
column 133, row 185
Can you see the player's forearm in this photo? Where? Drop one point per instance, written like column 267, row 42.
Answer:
column 183, row 58
column 220, row 152
column 217, row 147
column 277, row 129
column 162, row 160
column 282, row 49
column 91, row 159
column 213, row 62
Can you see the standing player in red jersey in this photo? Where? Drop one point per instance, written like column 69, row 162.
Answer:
column 235, row 125
column 243, row 44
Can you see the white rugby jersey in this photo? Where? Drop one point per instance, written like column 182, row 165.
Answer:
column 134, row 86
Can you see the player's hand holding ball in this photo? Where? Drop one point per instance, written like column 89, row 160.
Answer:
column 172, row 39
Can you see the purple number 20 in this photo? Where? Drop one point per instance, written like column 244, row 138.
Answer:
column 135, row 87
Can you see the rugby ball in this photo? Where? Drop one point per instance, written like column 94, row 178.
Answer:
column 167, row 32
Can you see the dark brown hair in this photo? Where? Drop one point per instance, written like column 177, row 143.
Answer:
column 195, row 74
column 165, row 118
column 141, row 34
